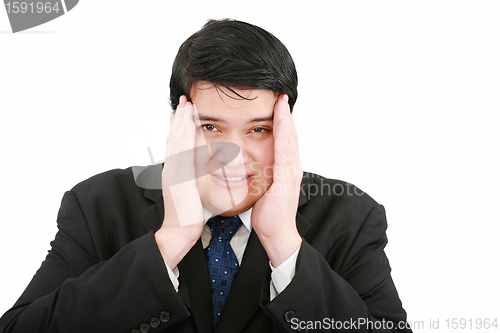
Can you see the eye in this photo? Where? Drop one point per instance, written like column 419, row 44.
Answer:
column 209, row 127
column 259, row 130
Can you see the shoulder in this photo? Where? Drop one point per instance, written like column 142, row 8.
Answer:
column 106, row 182
column 316, row 189
column 110, row 190
column 331, row 205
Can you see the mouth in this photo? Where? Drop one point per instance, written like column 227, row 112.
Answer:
column 232, row 179
column 231, row 182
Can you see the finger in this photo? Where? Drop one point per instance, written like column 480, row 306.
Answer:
column 179, row 111
column 182, row 102
column 176, row 120
column 188, row 136
column 180, row 148
column 177, row 141
column 174, row 143
column 283, row 149
column 285, row 111
column 180, row 106
column 196, row 119
column 201, row 138
column 282, row 113
column 286, row 142
column 280, row 110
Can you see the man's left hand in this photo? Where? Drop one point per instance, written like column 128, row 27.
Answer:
column 273, row 215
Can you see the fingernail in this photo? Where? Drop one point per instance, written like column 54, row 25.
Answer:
column 285, row 98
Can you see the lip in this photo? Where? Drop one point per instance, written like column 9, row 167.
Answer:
column 231, row 183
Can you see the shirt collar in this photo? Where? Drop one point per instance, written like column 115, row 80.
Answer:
column 245, row 217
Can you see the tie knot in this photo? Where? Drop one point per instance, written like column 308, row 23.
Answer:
column 223, row 227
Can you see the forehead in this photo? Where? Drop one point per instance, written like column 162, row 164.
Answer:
column 209, row 98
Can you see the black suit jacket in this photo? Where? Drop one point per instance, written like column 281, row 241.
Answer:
column 104, row 272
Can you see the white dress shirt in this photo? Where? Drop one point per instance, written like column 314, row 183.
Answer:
column 281, row 276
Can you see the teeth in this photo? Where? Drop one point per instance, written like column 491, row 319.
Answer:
column 232, row 179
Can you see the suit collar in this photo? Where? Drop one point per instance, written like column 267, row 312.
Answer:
column 245, row 217
column 153, row 195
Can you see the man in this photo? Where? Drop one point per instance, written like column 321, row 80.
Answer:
column 237, row 238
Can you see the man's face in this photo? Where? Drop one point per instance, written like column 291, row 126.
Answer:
column 221, row 116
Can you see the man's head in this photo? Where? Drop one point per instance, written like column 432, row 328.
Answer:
column 233, row 54
column 233, row 73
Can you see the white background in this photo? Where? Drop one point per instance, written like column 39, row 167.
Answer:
column 400, row 98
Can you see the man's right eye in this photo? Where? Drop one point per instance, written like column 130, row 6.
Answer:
column 209, row 127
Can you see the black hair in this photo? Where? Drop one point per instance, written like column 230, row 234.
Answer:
column 233, row 54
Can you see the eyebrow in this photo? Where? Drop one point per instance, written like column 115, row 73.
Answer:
column 202, row 117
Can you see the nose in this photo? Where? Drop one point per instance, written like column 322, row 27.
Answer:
column 229, row 154
column 223, row 153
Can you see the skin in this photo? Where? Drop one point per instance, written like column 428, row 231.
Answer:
column 262, row 126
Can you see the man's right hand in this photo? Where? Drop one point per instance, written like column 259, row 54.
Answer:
column 184, row 219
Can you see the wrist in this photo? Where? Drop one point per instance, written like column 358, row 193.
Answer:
column 280, row 248
column 171, row 249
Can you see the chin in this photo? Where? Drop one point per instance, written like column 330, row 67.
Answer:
column 222, row 205
column 228, row 201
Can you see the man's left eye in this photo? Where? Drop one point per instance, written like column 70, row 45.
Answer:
column 259, row 130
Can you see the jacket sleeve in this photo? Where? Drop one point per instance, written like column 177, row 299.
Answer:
column 75, row 291
column 359, row 296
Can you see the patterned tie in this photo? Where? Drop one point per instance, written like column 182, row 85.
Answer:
column 221, row 260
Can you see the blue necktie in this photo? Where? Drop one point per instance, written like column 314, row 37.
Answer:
column 222, row 263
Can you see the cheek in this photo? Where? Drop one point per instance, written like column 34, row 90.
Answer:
column 263, row 156
column 267, row 153
column 199, row 139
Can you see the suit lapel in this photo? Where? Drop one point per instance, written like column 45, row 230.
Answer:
column 194, row 285
column 244, row 296
column 302, row 224
column 243, row 299
column 194, row 272
column 152, row 218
